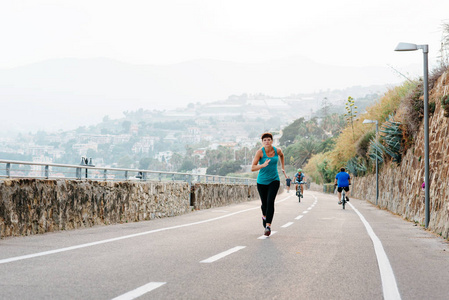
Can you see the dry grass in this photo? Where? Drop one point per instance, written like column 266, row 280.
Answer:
column 346, row 144
column 405, row 102
column 311, row 169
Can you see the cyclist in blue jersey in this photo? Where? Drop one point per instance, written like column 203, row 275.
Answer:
column 342, row 181
column 265, row 161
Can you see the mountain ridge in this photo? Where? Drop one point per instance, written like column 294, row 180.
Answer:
column 70, row 92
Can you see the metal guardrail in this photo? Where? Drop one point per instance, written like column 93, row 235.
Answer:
column 24, row 169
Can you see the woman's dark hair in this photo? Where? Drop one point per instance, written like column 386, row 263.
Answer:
column 267, row 134
column 342, row 169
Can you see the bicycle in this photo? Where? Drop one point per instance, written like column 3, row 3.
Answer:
column 343, row 199
column 298, row 191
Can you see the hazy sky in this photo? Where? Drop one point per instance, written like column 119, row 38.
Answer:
column 345, row 32
column 160, row 32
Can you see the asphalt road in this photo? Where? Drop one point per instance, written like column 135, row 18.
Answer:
column 316, row 251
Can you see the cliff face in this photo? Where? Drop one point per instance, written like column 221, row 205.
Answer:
column 400, row 185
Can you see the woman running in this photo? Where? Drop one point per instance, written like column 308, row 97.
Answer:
column 265, row 161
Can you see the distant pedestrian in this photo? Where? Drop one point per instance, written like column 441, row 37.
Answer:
column 265, row 161
column 287, row 182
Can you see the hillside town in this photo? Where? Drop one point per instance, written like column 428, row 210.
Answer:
column 164, row 140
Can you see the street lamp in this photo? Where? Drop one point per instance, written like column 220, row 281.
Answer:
column 377, row 164
column 425, row 49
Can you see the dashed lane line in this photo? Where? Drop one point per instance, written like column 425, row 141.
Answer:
column 263, row 237
column 222, row 254
column 140, row 291
column 287, row 224
column 38, row 254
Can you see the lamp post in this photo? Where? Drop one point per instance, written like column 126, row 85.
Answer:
column 425, row 49
column 377, row 163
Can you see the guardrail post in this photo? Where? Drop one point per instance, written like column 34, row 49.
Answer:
column 105, row 176
column 126, row 175
column 46, row 172
column 160, row 177
column 144, row 176
column 78, row 173
column 8, row 170
column 173, row 177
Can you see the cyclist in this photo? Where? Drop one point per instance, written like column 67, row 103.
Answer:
column 342, row 181
column 298, row 178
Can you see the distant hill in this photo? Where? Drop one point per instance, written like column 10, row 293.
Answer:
column 67, row 93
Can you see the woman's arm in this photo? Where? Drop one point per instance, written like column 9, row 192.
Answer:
column 281, row 156
column 257, row 157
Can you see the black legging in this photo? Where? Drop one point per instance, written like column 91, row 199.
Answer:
column 267, row 195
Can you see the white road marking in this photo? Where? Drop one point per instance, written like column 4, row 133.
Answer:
column 265, row 237
column 287, row 224
column 28, row 256
column 299, row 217
column 222, row 254
column 389, row 285
column 140, row 291
column 309, row 208
column 306, row 211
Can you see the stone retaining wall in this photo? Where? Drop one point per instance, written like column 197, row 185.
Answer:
column 400, row 185
column 33, row 206
column 207, row 195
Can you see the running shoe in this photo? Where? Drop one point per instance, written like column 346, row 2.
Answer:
column 267, row 231
column 339, row 202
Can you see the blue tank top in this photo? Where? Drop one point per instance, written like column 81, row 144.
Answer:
column 270, row 173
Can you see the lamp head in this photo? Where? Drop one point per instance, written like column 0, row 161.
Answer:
column 406, row 47
column 366, row 121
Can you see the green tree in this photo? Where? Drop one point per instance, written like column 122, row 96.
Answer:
column 300, row 152
column 126, row 125
column 291, row 131
column 187, row 165
column 125, row 162
column 351, row 114
column 146, row 163
column 176, row 161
